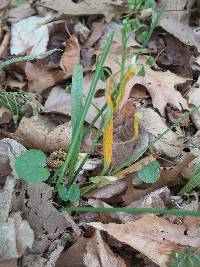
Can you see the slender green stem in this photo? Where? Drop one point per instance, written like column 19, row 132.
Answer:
column 29, row 57
column 89, row 128
column 135, row 210
column 153, row 26
column 86, row 107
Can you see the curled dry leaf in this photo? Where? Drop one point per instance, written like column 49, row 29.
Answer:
column 4, row 40
column 9, row 151
column 97, row 31
column 4, row 6
column 14, row 83
column 161, row 86
column 40, row 133
column 171, row 144
column 98, row 253
column 91, row 7
column 82, row 32
column 124, row 145
column 71, row 55
column 108, row 191
column 29, row 34
column 182, row 31
column 40, row 77
column 60, row 102
column 152, row 236
column 20, row 12
column 90, row 252
column 5, row 115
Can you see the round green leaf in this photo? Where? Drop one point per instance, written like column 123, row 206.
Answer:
column 29, row 166
column 187, row 257
column 74, row 192
column 150, row 173
column 63, row 193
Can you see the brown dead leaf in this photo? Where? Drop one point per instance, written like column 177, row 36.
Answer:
column 123, row 151
column 161, row 86
column 67, row 258
column 20, row 12
column 97, row 31
column 60, row 102
column 152, row 236
column 9, row 151
column 98, row 253
column 4, row 6
column 84, row 8
column 4, row 40
column 192, row 146
column 5, row 115
column 14, row 83
column 171, row 144
column 90, row 252
column 40, row 133
column 194, row 100
column 71, row 55
column 170, row 53
column 182, row 31
column 108, row 191
column 40, row 77
column 155, row 200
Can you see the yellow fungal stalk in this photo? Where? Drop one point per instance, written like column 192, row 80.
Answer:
column 131, row 71
column 136, row 126
column 108, row 130
column 111, row 108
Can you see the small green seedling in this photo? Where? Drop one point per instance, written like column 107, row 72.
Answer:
column 187, row 257
column 150, row 173
column 30, row 166
column 72, row 193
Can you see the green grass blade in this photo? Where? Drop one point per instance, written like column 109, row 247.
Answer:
column 86, row 107
column 193, row 182
column 29, row 57
column 76, row 96
column 134, row 210
column 76, row 111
